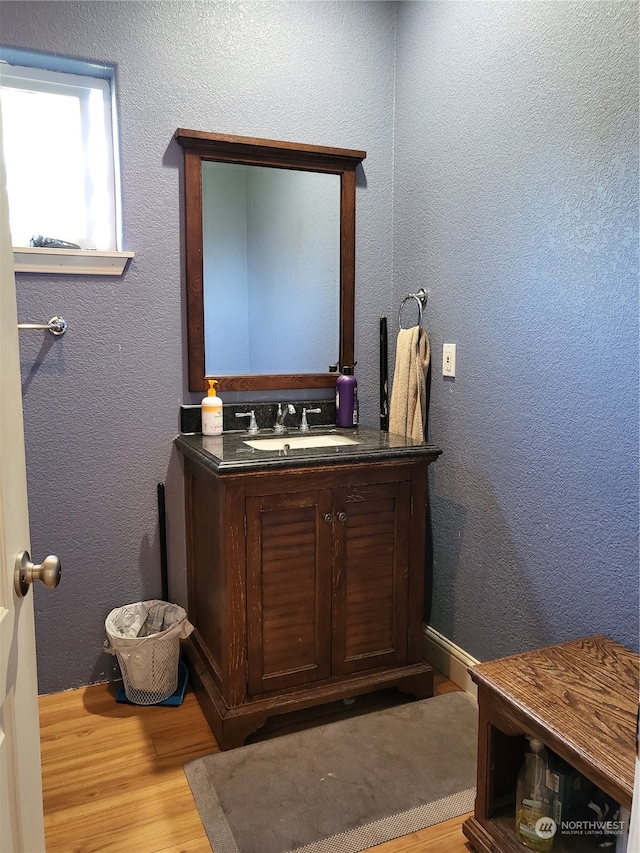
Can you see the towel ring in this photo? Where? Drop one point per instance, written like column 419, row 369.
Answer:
column 421, row 299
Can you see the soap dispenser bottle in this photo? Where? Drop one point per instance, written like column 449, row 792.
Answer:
column 211, row 411
column 534, row 827
column 347, row 398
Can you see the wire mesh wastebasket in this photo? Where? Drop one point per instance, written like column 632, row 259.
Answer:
column 145, row 638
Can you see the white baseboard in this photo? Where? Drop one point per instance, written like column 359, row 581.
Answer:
column 449, row 659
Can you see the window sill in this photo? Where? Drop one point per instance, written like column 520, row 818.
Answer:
column 70, row 261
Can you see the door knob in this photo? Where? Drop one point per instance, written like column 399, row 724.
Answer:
column 342, row 516
column 26, row 573
column 328, row 517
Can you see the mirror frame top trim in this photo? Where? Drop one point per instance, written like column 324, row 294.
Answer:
column 199, row 146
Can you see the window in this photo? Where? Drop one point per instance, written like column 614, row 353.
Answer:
column 58, row 141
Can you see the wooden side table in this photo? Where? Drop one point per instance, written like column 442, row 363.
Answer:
column 581, row 700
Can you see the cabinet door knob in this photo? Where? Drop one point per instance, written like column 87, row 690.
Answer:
column 342, row 516
column 328, row 517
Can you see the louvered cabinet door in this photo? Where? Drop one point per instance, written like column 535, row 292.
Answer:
column 288, row 589
column 372, row 532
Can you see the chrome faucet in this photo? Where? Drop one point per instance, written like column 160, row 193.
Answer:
column 304, row 426
column 288, row 410
column 253, row 426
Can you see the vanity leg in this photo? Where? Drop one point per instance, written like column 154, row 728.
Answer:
column 235, row 730
column 419, row 685
column 229, row 727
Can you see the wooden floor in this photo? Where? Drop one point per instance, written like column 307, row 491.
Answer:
column 113, row 778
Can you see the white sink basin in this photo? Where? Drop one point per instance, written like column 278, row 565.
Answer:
column 300, row 442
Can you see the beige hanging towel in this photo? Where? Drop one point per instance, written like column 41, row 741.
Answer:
column 408, row 411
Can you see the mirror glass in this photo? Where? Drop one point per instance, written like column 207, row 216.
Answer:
column 269, row 242
column 271, row 269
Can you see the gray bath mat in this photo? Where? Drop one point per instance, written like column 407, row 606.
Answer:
column 345, row 786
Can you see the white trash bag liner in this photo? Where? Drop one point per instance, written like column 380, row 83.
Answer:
column 145, row 637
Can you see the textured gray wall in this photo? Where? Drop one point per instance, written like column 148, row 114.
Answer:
column 101, row 404
column 515, row 204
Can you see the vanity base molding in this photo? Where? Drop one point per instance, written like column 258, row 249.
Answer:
column 231, row 726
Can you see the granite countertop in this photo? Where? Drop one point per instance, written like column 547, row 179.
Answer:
column 228, row 453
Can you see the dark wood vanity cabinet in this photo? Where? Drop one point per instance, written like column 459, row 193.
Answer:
column 305, row 586
column 327, row 586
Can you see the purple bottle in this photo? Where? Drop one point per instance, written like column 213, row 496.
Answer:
column 347, row 398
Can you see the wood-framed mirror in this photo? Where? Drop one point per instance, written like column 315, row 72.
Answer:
column 203, row 154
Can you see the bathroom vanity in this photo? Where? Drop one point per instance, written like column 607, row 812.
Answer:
column 305, row 571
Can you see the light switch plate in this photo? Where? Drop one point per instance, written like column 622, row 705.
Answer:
column 448, row 359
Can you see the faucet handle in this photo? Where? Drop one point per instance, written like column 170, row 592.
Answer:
column 253, row 426
column 304, row 426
